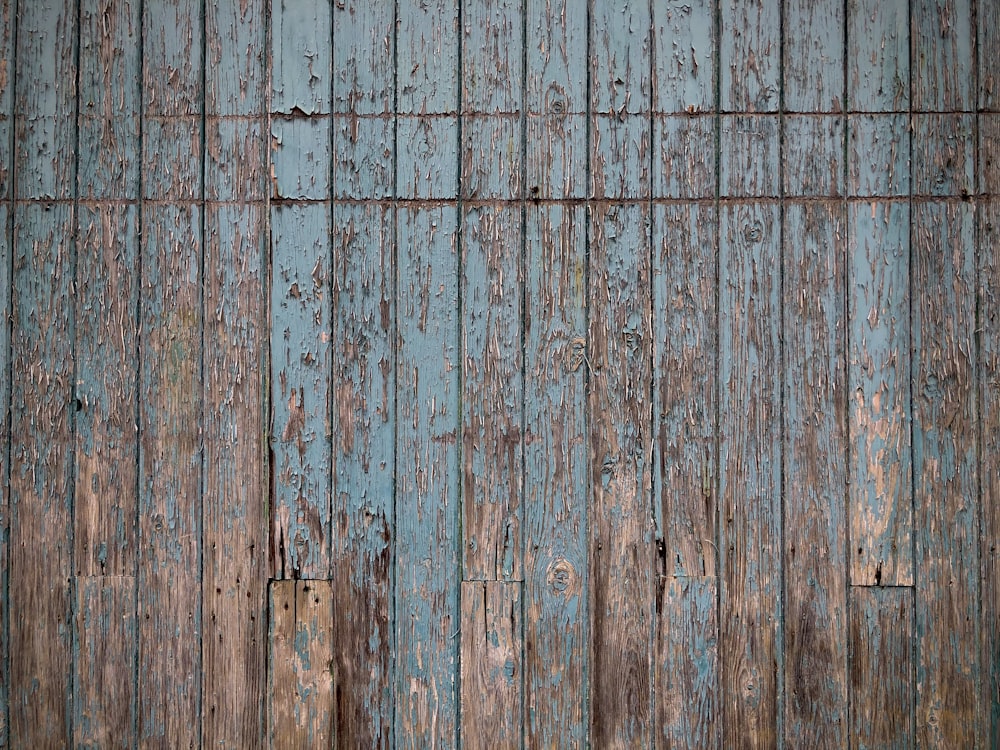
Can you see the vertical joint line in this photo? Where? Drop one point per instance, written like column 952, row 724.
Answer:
column 846, row 343
column 720, row 578
column 523, row 183
column 199, row 683
column 782, row 394
column 587, row 375
column 394, row 349
column 909, row 301
column 331, row 234
column 458, row 545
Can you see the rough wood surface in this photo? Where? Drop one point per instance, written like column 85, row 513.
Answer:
column 942, row 44
column 749, row 55
column 878, row 56
column 812, row 50
column 684, row 49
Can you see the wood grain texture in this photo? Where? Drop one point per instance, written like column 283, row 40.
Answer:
column 301, row 688
column 688, row 697
column 683, row 43
column 987, row 46
column 8, row 32
column 684, row 388
column 815, row 474
column 812, row 51
column 943, row 155
column 427, row 58
column 944, row 465
column 749, row 55
column 492, row 47
column 878, row 155
column 878, row 56
column 557, row 366
column 750, row 460
column 621, row 540
column 881, row 631
column 363, row 347
column 104, row 708
column 8, row 20
column 685, row 156
column 942, row 46
column 364, row 75
column 427, row 479
column 491, row 664
column 301, row 57
column 749, row 158
column 878, row 325
column 814, row 166
column 492, row 394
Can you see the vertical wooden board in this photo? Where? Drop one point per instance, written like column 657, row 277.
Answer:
column 988, row 156
column 492, row 393
column 945, row 474
column 556, row 477
column 878, row 56
column 942, row 44
column 235, row 52
column 174, row 146
column 8, row 22
column 427, row 157
column 749, row 55
column 235, row 154
column 492, row 49
column 363, row 426
column 881, row 652
column 684, row 371
column 878, row 332
column 104, row 693
column 683, row 46
column 6, row 265
column 172, row 64
column 812, row 52
column 750, row 462
column 300, row 158
column 491, row 157
column 987, row 46
column 556, row 156
column 815, row 474
column 619, row 57
column 749, row 156
column 301, row 658
column 684, row 156
column 688, row 699
column 109, row 99
column 622, row 546
column 106, row 443
column 236, row 476
column 427, row 479
column 620, row 157
column 944, row 155
column 427, row 57
column 813, row 164
column 301, row 57
column 40, row 476
column 364, row 75
column 300, row 390
column 491, row 664
column 878, row 155
column 363, row 157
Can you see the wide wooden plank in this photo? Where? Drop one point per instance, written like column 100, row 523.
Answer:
column 749, row 55
column 301, row 57
column 688, row 698
column 40, row 477
column 878, row 332
column 557, row 368
column 881, row 632
column 815, row 474
column 300, row 390
column 878, row 155
column 812, row 52
column 427, row 479
column 944, row 467
column 491, row 664
column 301, row 684
column 878, row 56
column 622, row 548
column 104, row 693
column 942, row 44
column 363, row 425
column 684, row 388
column 749, row 156
column 683, row 43
column 491, row 394
column 750, row 460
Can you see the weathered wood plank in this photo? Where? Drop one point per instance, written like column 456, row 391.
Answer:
column 878, row 56
column 945, row 483
column 749, row 156
column 878, row 325
column 300, row 390
column 427, row 53
column 363, row 49
column 689, row 702
column 491, row 156
column 300, row 158
column 812, row 51
column 104, row 694
column 170, row 471
column 987, row 46
column 427, row 157
column 684, row 56
column 881, row 652
column 40, row 475
column 815, row 474
column 878, row 155
column 6, row 266
column 492, row 394
column 363, row 426
column 363, row 157
column 427, row 479
column 491, row 664
column 492, row 49
column 987, row 166
column 301, row 57
column 813, row 164
column 173, row 70
column 621, row 540
column 106, row 443
column 749, row 55
column 944, row 155
column 684, row 388
column 942, row 43
column 750, row 459
column 301, row 685
column 8, row 24
column 556, row 477
column 684, row 156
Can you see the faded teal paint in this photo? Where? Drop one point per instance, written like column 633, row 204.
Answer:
column 749, row 56
column 812, row 51
column 878, row 56
column 685, row 56
column 942, row 40
column 301, row 57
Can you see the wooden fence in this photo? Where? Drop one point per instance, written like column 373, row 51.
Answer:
column 500, row 373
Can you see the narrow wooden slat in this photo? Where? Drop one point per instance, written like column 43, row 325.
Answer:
column 491, row 394
column 881, row 638
column 684, row 156
column 301, row 57
column 104, row 693
column 942, row 43
column 427, row 479
column 944, row 465
column 813, row 162
column 684, row 389
column 878, row 56
column 943, row 155
column 363, row 343
column 987, row 44
column 750, row 457
column 556, row 477
column 815, row 475
column 300, row 390
column 689, row 702
column 749, row 156
column 621, row 541
column 812, row 52
column 684, row 56
column 491, row 664
column 492, row 47
column 364, row 77
column 6, row 264
column 8, row 23
column 301, row 684
column 749, row 55
column 427, row 70
column 878, row 155
column 878, row 324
